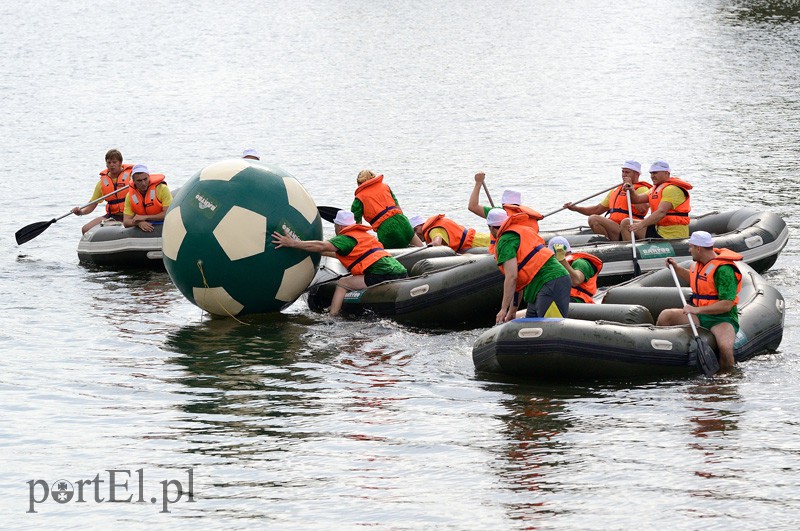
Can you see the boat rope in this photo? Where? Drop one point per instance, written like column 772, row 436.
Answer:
column 205, row 284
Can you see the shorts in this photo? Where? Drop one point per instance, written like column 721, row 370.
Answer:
column 553, row 298
column 709, row 321
column 115, row 217
column 370, row 279
column 652, row 233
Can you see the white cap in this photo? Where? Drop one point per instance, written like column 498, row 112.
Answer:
column 416, row 220
column 559, row 240
column 251, row 153
column 511, row 197
column 496, row 217
column 345, row 218
column 632, row 165
column 140, row 168
column 701, row 238
column 659, row 165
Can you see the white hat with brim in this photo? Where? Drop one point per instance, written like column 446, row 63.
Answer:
column 659, row 165
column 632, row 165
column 701, row 238
column 511, row 197
column 251, row 153
column 559, row 240
column 345, row 218
column 416, row 220
column 140, row 168
column 496, row 217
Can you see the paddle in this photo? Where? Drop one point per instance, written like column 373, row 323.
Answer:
column 636, row 269
column 581, row 200
column 706, row 358
column 488, row 196
column 328, row 213
column 29, row 232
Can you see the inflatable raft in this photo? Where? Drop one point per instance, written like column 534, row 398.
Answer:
column 617, row 339
column 759, row 236
column 111, row 244
column 443, row 290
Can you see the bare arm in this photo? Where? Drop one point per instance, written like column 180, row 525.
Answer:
column 507, row 308
column 473, row 205
column 312, row 246
column 587, row 211
column 575, row 276
column 682, row 272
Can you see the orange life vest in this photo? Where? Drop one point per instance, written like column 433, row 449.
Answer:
column 586, row 289
column 115, row 204
column 147, row 203
column 532, row 252
column 378, row 202
column 618, row 203
column 532, row 219
column 367, row 251
column 701, row 279
column 460, row 238
column 679, row 214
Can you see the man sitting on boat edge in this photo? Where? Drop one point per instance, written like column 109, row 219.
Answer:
column 716, row 282
column 669, row 207
column 115, row 176
column 615, row 204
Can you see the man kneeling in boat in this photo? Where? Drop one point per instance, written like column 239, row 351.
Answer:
column 440, row 230
column 116, row 175
column 615, row 204
column 716, row 282
column 583, row 269
column 360, row 252
column 147, row 200
column 529, row 267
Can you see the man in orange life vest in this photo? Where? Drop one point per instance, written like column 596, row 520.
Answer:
column 669, row 207
column 716, row 282
column 615, row 204
column 115, row 176
column 377, row 204
column 583, row 269
column 511, row 202
column 147, row 200
column 529, row 267
column 360, row 252
column 440, row 230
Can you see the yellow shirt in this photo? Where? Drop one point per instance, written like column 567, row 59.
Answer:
column 676, row 196
column 480, row 240
column 162, row 193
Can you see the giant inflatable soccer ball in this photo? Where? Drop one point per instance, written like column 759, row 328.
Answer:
column 218, row 238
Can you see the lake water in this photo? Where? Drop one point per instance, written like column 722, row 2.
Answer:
column 300, row 421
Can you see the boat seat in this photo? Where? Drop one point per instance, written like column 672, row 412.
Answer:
column 618, row 313
column 655, row 299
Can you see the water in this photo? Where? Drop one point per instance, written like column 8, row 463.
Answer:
column 300, row 421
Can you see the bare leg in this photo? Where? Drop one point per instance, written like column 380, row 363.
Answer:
column 96, row 221
column 674, row 317
column 604, row 226
column 342, row 287
column 725, row 336
column 624, row 229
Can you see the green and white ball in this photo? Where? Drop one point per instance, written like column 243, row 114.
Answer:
column 218, row 238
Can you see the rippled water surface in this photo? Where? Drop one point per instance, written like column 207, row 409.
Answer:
column 300, row 421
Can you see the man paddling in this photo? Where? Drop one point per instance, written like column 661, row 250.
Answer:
column 147, row 200
column 615, row 204
column 716, row 282
column 511, row 203
column 669, row 207
column 115, row 176
column 360, row 252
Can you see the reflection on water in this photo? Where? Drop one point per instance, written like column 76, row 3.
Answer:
column 775, row 11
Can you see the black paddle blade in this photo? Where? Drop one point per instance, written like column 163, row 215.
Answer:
column 636, row 269
column 706, row 358
column 29, row 232
column 328, row 213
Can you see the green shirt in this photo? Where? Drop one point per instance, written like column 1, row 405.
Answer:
column 507, row 246
column 387, row 265
column 725, row 281
column 584, row 266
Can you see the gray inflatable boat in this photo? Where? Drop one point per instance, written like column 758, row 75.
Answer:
column 618, row 340
column 110, row 244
